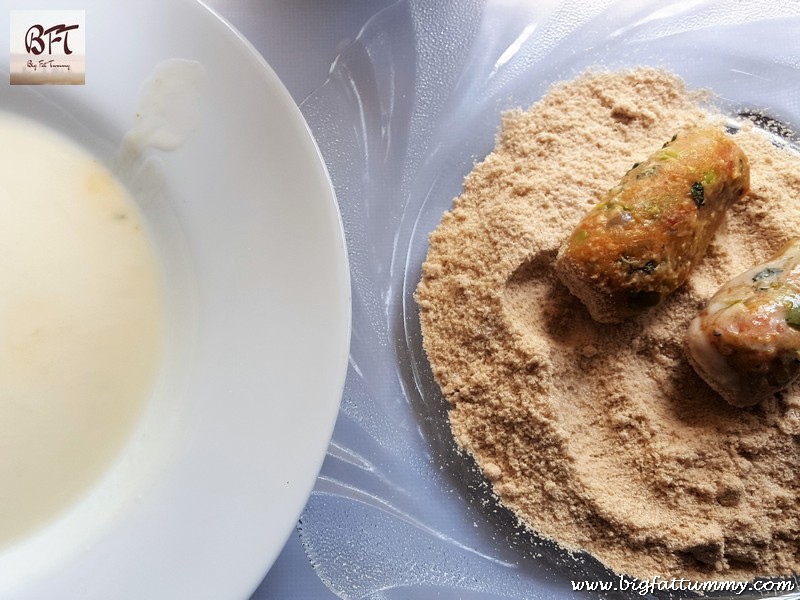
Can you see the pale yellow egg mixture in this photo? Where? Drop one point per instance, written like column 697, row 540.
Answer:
column 81, row 323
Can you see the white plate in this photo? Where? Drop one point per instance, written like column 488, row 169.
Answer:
column 243, row 215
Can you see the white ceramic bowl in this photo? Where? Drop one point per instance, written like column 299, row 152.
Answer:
column 244, row 219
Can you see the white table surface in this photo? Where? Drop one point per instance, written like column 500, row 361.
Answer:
column 299, row 39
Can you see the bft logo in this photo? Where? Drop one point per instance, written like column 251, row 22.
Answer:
column 48, row 47
column 37, row 35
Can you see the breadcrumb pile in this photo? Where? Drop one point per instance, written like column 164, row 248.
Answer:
column 602, row 437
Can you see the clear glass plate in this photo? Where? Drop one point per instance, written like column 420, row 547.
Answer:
column 408, row 109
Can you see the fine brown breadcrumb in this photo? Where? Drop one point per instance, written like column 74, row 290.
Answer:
column 602, row 437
